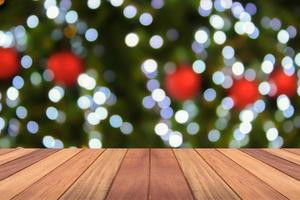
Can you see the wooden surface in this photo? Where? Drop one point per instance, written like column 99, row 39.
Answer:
column 149, row 174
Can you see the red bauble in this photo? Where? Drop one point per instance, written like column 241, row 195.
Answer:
column 183, row 83
column 66, row 67
column 281, row 83
column 9, row 63
column 244, row 92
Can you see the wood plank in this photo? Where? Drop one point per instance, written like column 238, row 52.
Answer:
column 204, row 182
column 245, row 184
column 14, row 155
column 6, row 150
column 281, row 182
column 54, row 184
column 166, row 178
column 96, row 180
column 134, row 171
column 18, row 182
column 285, row 155
column 20, row 163
column 295, row 151
column 283, row 165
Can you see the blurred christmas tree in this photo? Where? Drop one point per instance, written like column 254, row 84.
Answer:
column 154, row 73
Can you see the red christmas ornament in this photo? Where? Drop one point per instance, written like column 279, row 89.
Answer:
column 183, row 83
column 66, row 67
column 243, row 92
column 9, row 63
column 282, row 83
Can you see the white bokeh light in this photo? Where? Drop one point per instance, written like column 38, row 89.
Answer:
column 199, row 66
column 283, row 36
column 238, row 68
column 52, row 113
column 218, row 77
column 214, row 135
column 130, row 11
column 181, row 116
column 161, row 129
column 86, row 81
column 272, row 134
column 26, row 61
column 48, row 141
column 297, row 59
column 99, row 97
column 93, row 118
column 216, row 21
column 71, row 17
column 283, row 102
column 201, row 36
column 12, row 93
column 116, row 3
column 158, row 95
column 91, row 35
column 156, row 42
column 131, row 39
column 32, row 21
column 149, row 65
column 209, row 94
column 264, row 88
column 228, row 52
column 95, row 143
column 84, row 102
column 32, row 127
column 101, row 112
column 245, row 127
column 93, row 4
column 219, row 37
column 146, row 19
column 56, row 94
column 267, row 66
column 206, row 4
column 175, row 139
column 116, row 121
column 52, row 12
column 246, row 116
column 226, row 3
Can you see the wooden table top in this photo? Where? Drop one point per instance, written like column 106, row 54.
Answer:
column 149, row 174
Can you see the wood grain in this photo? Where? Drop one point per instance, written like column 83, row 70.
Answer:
column 134, row 171
column 96, row 180
column 5, row 150
column 12, row 155
column 166, row 178
column 283, row 165
column 285, row 155
column 20, row 163
column 54, row 184
column 295, row 151
column 239, row 179
column 204, row 182
column 140, row 174
column 276, row 179
column 24, row 178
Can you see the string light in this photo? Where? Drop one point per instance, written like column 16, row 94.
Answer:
column 94, row 101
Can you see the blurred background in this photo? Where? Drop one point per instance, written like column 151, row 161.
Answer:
column 149, row 73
